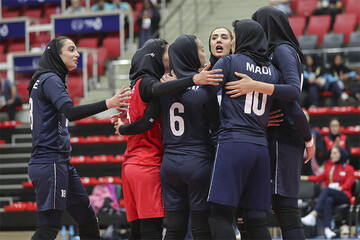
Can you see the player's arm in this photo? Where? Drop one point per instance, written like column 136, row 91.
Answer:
column 290, row 91
column 150, row 87
column 144, row 124
column 73, row 113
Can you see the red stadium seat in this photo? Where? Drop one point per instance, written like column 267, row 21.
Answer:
column 324, row 130
column 109, row 180
column 94, row 139
column 318, row 110
column 345, row 24
column 294, row 4
column 22, row 90
column 75, row 86
column 319, row 25
column 356, row 110
column 352, row 130
column 306, row 7
column 89, row 181
column 78, row 160
column 101, row 61
column 3, row 58
column 10, row 14
column 90, row 42
column 33, row 13
column 27, row 184
column 100, row 159
column 353, row 6
column 10, row 124
column 16, row 207
column 355, row 151
column 17, row 47
column 118, row 159
column 112, row 45
column 49, row 12
column 77, row 140
column 87, row 121
column 2, row 48
column 342, row 110
column 115, row 139
column 297, row 24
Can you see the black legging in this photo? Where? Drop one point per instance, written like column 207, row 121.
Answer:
column 149, row 228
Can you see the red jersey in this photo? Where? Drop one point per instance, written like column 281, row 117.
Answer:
column 330, row 143
column 145, row 148
column 341, row 173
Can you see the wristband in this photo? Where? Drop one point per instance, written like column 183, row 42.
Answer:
column 309, row 143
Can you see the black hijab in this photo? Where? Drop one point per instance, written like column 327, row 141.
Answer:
column 147, row 60
column 214, row 59
column 51, row 61
column 344, row 155
column 277, row 29
column 250, row 40
column 183, row 56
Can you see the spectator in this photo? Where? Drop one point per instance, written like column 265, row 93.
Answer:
column 148, row 21
column 282, row 5
column 313, row 82
column 75, row 7
column 346, row 76
column 9, row 97
column 335, row 138
column 318, row 159
column 331, row 7
column 119, row 4
column 101, row 5
column 339, row 179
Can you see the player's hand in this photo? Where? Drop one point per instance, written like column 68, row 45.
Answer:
column 240, row 87
column 275, row 118
column 122, row 115
column 206, row 77
column 117, row 126
column 337, row 142
column 310, row 150
column 120, row 99
column 167, row 77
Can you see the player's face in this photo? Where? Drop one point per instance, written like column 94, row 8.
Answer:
column 69, row 55
column 165, row 59
column 334, row 127
column 201, row 53
column 220, row 42
column 233, row 42
column 335, row 154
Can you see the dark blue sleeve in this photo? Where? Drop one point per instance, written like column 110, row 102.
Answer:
column 54, row 89
column 201, row 94
column 299, row 119
column 286, row 59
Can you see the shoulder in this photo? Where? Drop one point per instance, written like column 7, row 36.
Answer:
column 285, row 50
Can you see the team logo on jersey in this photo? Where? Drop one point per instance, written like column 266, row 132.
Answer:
column 63, row 193
column 150, row 54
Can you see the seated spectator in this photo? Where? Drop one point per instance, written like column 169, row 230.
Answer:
column 313, row 167
column 282, row 5
column 119, row 4
column 339, row 178
column 101, row 5
column 335, row 138
column 331, row 7
column 75, row 7
column 348, row 79
column 313, row 82
column 9, row 97
column 148, row 21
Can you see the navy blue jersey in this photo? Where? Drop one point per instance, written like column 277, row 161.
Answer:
column 245, row 118
column 185, row 128
column 50, row 136
column 286, row 59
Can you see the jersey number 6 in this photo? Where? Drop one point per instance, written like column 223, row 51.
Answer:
column 177, row 119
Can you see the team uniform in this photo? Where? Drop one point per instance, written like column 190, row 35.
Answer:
column 141, row 166
column 57, row 184
column 240, row 176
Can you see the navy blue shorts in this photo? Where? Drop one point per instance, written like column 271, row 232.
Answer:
column 241, row 176
column 185, row 182
column 286, row 162
column 57, row 185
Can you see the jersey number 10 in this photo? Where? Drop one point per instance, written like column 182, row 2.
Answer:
column 252, row 103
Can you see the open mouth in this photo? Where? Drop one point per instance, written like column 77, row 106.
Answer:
column 219, row 48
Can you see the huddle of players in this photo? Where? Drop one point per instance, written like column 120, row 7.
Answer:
column 170, row 156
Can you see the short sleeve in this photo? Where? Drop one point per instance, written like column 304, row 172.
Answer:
column 54, row 89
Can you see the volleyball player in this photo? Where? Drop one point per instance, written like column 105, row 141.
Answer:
column 56, row 182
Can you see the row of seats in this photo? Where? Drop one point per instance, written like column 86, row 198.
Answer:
column 334, row 110
column 97, row 159
column 320, row 25
column 347, row 131
column 307, row 7
column 97, row 139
